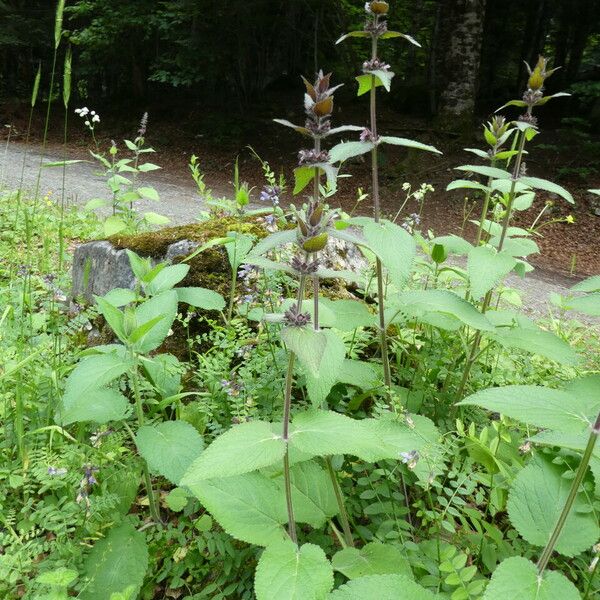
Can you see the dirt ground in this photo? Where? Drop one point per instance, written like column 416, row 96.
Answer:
column 564, row 153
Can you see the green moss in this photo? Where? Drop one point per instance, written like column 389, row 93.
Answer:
column 210, row 268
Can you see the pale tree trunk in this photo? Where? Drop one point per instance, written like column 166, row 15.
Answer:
column 463, row 22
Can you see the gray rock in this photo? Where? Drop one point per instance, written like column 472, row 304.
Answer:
column 99, row 267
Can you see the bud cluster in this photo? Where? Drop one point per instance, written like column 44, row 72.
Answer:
column 375, row 64
column 294, row 318
column 375, row 25
column 312, row 227
column 305, row 267
column 312, row 157
column 535, row 84
column 318, row 103
column 366, row 135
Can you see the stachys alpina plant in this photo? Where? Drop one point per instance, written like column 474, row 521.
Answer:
column 377, row 73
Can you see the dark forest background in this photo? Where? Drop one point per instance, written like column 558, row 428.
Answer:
column 238, row 56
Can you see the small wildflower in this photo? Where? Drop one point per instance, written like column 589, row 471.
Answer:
column 525, row 448
column 304, row 267
column 54, row 472
column 270, row 193
column 366, row 135
column 410, row 459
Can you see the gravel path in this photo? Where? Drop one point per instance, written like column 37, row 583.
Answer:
column 180, row 202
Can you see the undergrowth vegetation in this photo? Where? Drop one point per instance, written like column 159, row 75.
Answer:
column 361, row 410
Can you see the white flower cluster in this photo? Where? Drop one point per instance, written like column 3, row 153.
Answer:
column 91, row 117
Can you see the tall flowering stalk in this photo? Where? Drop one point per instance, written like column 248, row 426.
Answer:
column 527, row 128
column 312, row 224
column 377, row 73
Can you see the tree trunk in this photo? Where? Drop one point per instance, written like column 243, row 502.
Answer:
column 463, row 32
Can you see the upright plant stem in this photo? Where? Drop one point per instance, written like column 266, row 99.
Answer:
column 579, row 475
column 287, row 404
column 488, row 297
column 139, row 409
column 287, row 407
column 377, row 216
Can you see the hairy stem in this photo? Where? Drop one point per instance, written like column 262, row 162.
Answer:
column 341, row 504
column 377, row 216
column 287, row 407
column 579, row 475
column 488, row 297
column 139, row 410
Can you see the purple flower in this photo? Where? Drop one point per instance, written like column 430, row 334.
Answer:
column 270, row 193
column 366, row 135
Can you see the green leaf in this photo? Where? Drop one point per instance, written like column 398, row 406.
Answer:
column 469, row 184
column 325, row 433
column 419, row 303
column 374, row 558
column 114, row 317
column 308, row 345
column 94, row 372
column 148, row 192
column 516, row 578
column 238, row 248
column 396, row 437
column 572, row 441
column 113, row 225
column 298, row 128
column 358, row 34
column 177, row 499
column 345, row 150
column 249, row 507
column 487, row 171
column 535, row 501
column 591, row 284
column 381, row 587
column 306, row 174
column 384, row 77
column 164, row 371
column 120, row 297
column 486, row 268
column 319, row 383
column 453, row 244
column 98, row 405
column 169, row 448
column 243, row 448
column 286, row 572
column 539, row 406
column 155, row 219
column 146, row 167
column 167, row 278
column 536, row 341
column 395, row 34
column 514, row 246
column 548, row 186
column 116, row 562
column 275, row 240
column 394, row 246
column 358, row 373
column 165, row 306
column 366, row 83
column 61, row 577
column 349, row 314
column 589, row 305
column 313, row 496
column 398, row 141
column 201, row 298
